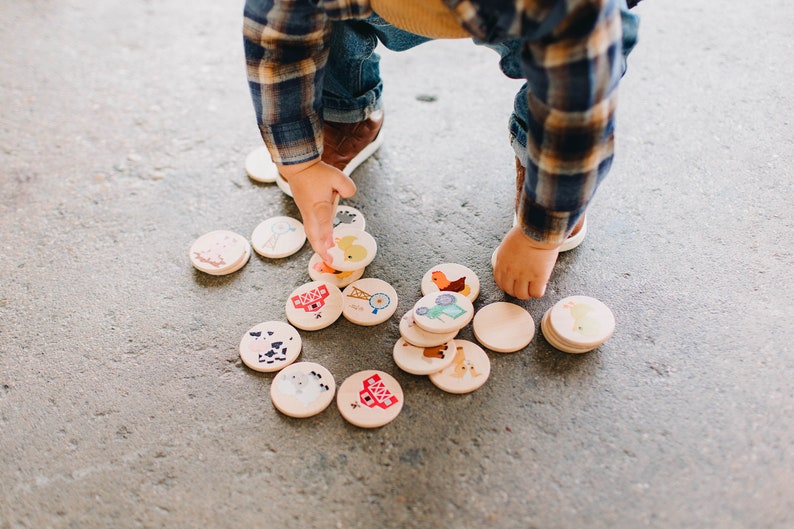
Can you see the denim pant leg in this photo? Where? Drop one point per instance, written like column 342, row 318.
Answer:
column 352, row 86
column 510, row 63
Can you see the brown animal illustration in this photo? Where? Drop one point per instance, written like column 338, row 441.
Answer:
column 435, row 352
column 462, row 366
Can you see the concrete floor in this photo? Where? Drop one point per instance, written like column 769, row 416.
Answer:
column 123, row 401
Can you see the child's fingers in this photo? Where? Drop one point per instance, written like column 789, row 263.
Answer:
column 344, row 185
column 522, row 270
column 326, row 245
column 319, row 229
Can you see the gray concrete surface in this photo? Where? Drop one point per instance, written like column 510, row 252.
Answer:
column 123, row 402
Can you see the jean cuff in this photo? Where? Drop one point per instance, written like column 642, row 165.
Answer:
column 338, row 112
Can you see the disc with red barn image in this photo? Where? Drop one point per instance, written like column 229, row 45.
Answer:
column 314, row 305
column 370, row 399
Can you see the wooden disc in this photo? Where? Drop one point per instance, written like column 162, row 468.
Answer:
column 370, row 399
column 302, row 390
column 422, row 360
column 270, row 346
column 503, row 327
column 468, row 371
column 314, row 306
column 353, row 249
column 443, row 312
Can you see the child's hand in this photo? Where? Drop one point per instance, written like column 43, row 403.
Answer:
column 523, row 266
column 313, row 186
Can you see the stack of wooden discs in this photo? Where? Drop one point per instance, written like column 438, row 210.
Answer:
column 577, row 324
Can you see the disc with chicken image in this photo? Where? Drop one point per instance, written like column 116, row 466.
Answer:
column 451, row 277
column 578, row 324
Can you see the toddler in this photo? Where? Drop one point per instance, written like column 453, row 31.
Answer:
column 316, row 89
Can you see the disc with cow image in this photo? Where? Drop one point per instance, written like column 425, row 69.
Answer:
column 270, row 346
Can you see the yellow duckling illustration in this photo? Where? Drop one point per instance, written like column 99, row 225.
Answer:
column 351, row 251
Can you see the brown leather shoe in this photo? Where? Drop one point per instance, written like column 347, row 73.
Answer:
column 347, row 145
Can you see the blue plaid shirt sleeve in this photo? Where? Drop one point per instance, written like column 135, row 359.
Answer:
column 286, row 49
column 572, row 61
column 574, row 72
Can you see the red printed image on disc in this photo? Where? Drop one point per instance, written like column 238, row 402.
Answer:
column 302, row 390
column 314, row 306
column 370, row 399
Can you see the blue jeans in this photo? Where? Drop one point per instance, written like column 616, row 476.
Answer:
column 352, row 86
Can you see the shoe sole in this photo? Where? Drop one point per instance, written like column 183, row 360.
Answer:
column 575, row 240
column 351, row 166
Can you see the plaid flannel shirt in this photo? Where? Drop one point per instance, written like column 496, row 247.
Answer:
column 572, row 59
